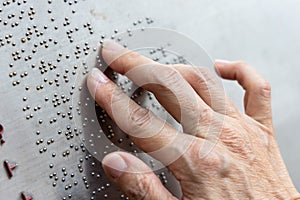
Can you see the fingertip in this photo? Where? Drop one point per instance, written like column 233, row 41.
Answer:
column 95, row 78
column 91, row 85
column 222, row 63
column 133, row 163
column 124, row 170
column 217, row 70
column 224, row 68
column 111, row 51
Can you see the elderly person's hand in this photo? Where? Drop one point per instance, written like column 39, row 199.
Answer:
column 223, row 153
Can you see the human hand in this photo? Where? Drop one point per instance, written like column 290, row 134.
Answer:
column 223, row 152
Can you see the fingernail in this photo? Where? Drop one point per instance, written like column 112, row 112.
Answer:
column 115, row 165
column 221, row 63
column 98, row 76
column 112, row 46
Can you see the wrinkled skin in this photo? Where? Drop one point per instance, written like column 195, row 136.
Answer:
column 230, row 154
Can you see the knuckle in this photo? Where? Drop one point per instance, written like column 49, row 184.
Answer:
column 128, row 57
column 142, row 188
column 264, row 88
column 206, row 79
column 213, row 157
column 205, row 71
column 167, row 77
column 228, row 135
column 140, row 117
column 205, row 116
column 170, row 75
column 202, row 77
column 132, row 55
column 219, row 161
column 239, row 66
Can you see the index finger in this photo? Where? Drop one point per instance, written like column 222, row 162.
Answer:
column 114, row 57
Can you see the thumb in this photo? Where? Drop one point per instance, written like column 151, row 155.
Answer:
column 134, row 177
